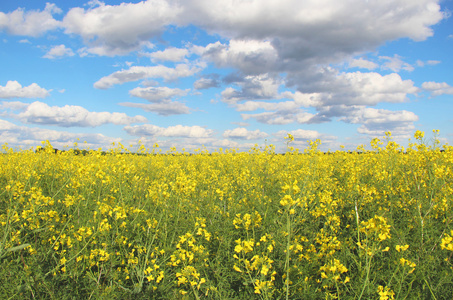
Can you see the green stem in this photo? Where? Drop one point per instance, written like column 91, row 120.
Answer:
column 288, row 228
column 368, row 262
column 432, row 294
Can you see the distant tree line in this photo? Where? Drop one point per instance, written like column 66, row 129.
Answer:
column 87, row 152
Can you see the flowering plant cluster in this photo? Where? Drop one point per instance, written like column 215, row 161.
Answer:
column 369, row 224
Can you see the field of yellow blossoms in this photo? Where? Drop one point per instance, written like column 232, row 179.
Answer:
column 364, row 224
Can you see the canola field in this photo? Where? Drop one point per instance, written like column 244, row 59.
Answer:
column 373, row 224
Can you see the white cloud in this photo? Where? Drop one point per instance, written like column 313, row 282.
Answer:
column 13, row 105
column 438, row 88
column 395, row 64
column 241, row 133
column 147, row 83
column 165, row 108
column 421, row 63
column 206, row 83
column 157, row 94
column 58, row 52
column 302, row 137
column 14, row 89
column 304, row 99
column 260, row 18
column 376, row 122
column 160, row 96
column 363, row 64
column 190, row 143
column 252, row 87
column 139, row 72
column 301, row 134
column 118, row 29
column 328, row 89
column 255, row 105
column 70, row 116
column 281, row 117
column 241, row 124
column 373, row 88
column 354, row 88
column 287, row 26
column 172, row 131
column 432, row 62
column 103, row 50
column 342, row 28
column 229, row 144
column 249, row 56
column 169, row 54
column 31, row 23
column 24, row 136
column 271, row 43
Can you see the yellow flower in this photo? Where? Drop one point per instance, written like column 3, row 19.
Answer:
column 401, row 248
column 237, row 269
column 181, row 279
column 264, row 270
column 385, row 293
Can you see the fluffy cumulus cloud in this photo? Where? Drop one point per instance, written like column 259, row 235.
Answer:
column 289, row 24
column 395, row 64
column 25, row 136
column 69, row 116
column 241, row 133
column 376, row 121
column 157, row 94
column 207, row 82
column 301, row 135
column 30, row 23
column 363, row 64
column 12, row 105
column 118, row 29
column 256, row 105
column 253, row 87
column 248, row 56
column 276, row 113
column 305, row 99
column 438, row 88
column 164, row 108
column 330, row 90
column 169, row 54
column 355, row 88
column 421, row 63
column 283, row 58
column 326, row 88
column 172, row 131
column 284, row 28
column 161, row 100
column 302, row 138
column 58, row 52
column 139, row 72
column 260, row 29
column 281, row 117
column 14, row 89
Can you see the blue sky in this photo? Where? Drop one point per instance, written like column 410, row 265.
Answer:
column 229, row 74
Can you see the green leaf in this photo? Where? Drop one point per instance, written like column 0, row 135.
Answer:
column 17, row 248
